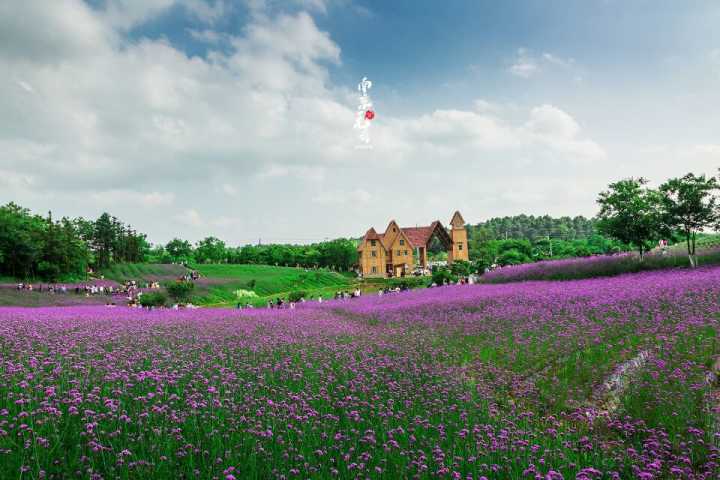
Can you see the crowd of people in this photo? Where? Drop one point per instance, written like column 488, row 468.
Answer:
column 461, row 281
column 190, row 277
column 130, row 289
column 343, row 295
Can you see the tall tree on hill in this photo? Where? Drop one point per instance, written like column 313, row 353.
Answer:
column 103, row 240
column 690, row 205
column 77, row 253
column 53, row 251
column 210, row 250
column 631, row 213
column 21, row 236
column 179, row 250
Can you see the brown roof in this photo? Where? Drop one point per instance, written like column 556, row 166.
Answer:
column 372, row 235
column 457, row 220
column 419, row 236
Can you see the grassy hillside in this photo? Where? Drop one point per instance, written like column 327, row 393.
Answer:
column 10, row 297
column 144, row 272
column 219, row 282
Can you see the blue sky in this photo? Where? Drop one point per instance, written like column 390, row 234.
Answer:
column 234, row 118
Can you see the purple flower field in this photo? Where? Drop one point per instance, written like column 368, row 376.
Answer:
column 602, row 378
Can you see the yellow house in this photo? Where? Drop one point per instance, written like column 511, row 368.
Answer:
column 392, row 254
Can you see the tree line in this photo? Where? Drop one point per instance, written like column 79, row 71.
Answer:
column 680, row 208
column 632, row 216
column 532, row 228
column 520, row 239
column 35, row 246
column 338, row 254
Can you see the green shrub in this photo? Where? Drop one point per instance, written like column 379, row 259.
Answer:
column 251, row 284
column 440, row 275
column 461, row 268
column 153, row 299
column 180, row 290
column 295, row 297
column 240, row 294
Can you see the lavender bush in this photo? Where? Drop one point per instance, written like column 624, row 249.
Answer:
column 597, row 266
column 600, row 378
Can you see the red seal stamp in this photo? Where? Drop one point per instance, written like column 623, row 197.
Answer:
column 369, row 114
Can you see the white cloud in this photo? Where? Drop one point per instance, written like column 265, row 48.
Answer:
column 191, row 218
column 25, row 86
column 10, row 179
column 111, row 198
column 333, row 197
column 555, row 60
column 126, row 14
column 711, row 150
column 551, row 121
column 523, row 66
column 526, row 64
column 228, row 189
column 254, row 132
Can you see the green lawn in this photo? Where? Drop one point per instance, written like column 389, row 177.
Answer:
column 144, row 272
column 219, row 282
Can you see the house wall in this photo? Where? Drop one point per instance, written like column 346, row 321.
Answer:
column 405, row 255
column 367, row 261
column 459, row 249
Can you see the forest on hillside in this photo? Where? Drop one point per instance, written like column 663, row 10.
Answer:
column 532, row 228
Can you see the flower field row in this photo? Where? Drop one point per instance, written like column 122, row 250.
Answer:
column 601, row 378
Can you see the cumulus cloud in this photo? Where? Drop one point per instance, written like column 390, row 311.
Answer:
column 126, row 14
column 255, row 131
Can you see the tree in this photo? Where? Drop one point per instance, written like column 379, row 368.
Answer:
column 179, row 250
column 461, row 268
column 103, row 240
column 630, row 212
column 689, row 205
column 443, row 275
column 210, row 250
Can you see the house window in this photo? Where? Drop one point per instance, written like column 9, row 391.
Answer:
column 402, row 242
column 373, row 253
column 460, row 246
column 374, row 269
column 398, row 253
column 372, row 243
column 394, row 230
column 406, row 252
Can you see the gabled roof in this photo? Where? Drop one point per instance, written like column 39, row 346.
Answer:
column 420, row 236
column 457, row 220
column 389, row 235
column 371, row 235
